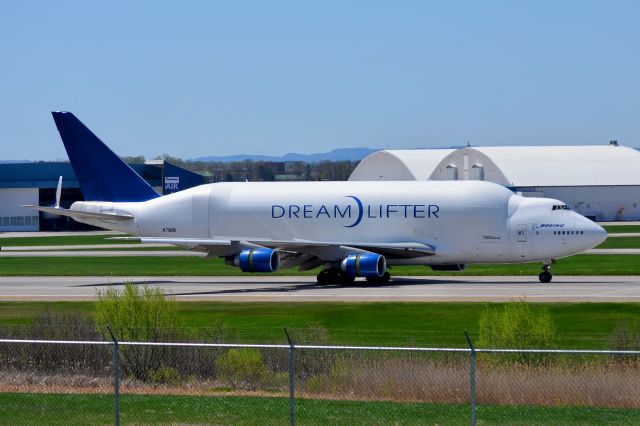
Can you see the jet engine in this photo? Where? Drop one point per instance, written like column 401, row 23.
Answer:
column 456, row 267
column 256, row 260
column 368, row 265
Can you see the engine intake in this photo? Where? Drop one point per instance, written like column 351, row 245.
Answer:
column 457, row 267
column 257, row 260
column 368, row 265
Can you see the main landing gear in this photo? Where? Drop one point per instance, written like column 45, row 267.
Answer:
column 336, row 276
column 380, row 280
column 545, row 276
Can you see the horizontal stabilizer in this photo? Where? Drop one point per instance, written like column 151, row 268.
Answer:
column 76, row 214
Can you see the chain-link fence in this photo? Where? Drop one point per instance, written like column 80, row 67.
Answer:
column 102, row 382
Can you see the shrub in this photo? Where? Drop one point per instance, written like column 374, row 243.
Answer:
column 624, row 337
column 312, row 362
column 516, row 326
column 138, row 313
column 242, row 368
column 55, row 357
column 165, row 376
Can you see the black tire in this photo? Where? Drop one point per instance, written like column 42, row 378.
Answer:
column 326, row 277
column 545, row 277
column 379, row 280
column 322, row 278
column 345, row 279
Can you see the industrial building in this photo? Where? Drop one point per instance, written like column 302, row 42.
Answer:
column 35, row 183
column 600, row 182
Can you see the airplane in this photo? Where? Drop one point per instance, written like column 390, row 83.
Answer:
column 350, row 229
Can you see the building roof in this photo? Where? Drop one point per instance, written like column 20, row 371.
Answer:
column 401, row 164
column 566, row 165
column 45, row 175
column 514, row 166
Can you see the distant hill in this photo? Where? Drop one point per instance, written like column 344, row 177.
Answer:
column 14, row 161
column 343, row 154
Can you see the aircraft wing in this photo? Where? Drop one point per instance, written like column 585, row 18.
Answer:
column 76, row 214
column 302, row 253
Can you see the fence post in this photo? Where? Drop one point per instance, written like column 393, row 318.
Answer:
column 116, row 376
column 472, row 378
column 292, row 384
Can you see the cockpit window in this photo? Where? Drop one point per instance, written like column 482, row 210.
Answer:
column 560, row 207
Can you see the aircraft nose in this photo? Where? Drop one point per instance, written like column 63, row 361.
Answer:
column 594, row 232
column 599, row 234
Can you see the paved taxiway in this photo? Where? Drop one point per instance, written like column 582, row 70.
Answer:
column 293, row 289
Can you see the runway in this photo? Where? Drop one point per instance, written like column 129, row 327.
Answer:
column 304, row 289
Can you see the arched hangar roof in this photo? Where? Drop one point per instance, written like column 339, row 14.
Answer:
column 513, row 166
column 563, row 165
column 401, row 164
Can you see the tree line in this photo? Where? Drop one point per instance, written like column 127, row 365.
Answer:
column 238, row 171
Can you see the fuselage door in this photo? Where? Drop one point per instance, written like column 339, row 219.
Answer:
column 521, row 233
column 200, row 213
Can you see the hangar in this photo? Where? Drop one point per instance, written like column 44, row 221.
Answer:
column 35, row 183
column 600, row 182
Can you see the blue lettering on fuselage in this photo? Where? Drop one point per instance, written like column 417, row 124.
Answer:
column 354, row 212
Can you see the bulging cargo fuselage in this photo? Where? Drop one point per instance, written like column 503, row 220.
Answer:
column 466, row 222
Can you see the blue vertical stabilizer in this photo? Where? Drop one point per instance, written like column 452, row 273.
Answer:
column 102, row 175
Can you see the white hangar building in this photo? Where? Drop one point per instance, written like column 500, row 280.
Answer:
column 600, row 182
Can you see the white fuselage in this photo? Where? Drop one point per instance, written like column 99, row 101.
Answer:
column 466, row 222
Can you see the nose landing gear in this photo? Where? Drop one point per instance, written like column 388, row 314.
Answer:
column 545, row 276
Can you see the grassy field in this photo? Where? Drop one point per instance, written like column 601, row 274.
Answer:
column 125, row 247
column 614, row 229
column 387, row 324
column 62, row 240
column 621, row 242
column 190, row 266
column 61, row 409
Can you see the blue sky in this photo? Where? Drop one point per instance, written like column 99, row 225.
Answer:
column 214, row 78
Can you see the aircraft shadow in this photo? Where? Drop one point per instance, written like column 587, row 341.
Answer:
column 307, row 286
column 284, row 288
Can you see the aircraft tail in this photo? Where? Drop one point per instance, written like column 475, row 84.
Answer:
column 102, row 175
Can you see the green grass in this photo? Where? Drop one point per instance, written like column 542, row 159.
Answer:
column 61, row 409
column 620, row 242
column 193, row 266
column 387, row 324
column 127, row 247
column 62, row 240
column 613, row 229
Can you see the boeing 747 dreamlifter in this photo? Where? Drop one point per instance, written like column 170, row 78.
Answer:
column 351, row 229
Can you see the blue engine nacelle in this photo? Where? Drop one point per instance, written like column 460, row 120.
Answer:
column 368, row 265
column 257, row 260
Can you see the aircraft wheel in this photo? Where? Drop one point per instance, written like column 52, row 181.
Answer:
column 332, row 276
column 545, row 277
column 380, row 280
column 346, row 279
column 325, row 277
